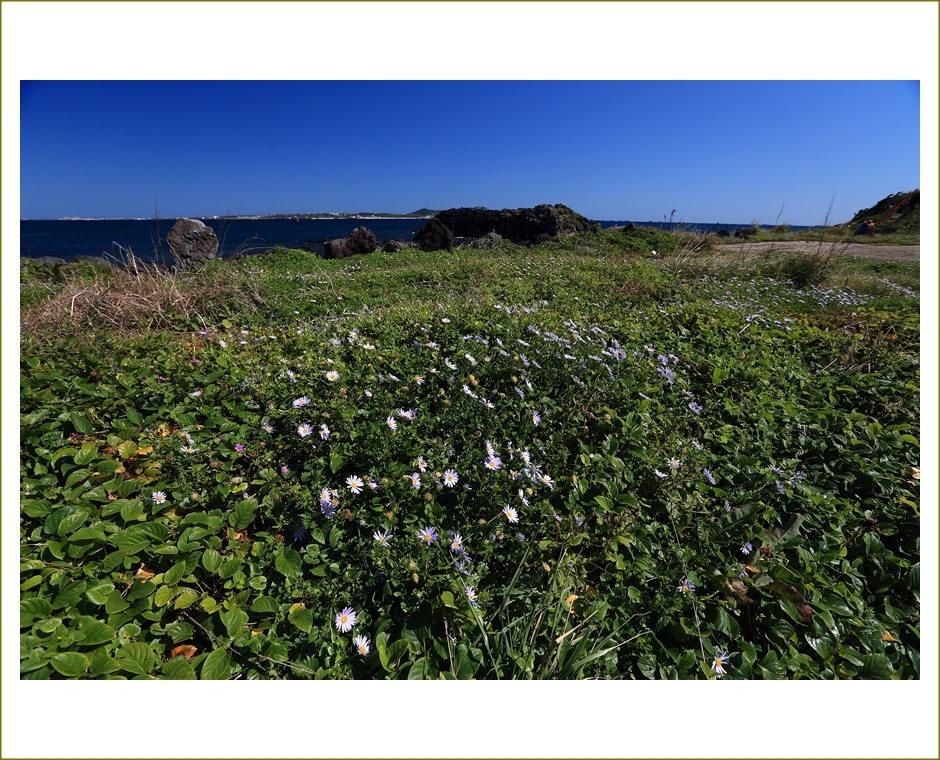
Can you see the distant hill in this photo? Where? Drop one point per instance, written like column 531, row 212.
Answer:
column 895, row 213
column 425, row 212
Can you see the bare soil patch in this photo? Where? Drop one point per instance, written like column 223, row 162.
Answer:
column 862, row 250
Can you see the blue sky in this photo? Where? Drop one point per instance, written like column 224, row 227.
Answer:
column 715, row 151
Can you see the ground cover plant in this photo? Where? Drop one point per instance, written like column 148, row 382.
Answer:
column 591, row 458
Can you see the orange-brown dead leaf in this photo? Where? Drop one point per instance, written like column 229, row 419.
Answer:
column 187, row 650
column 143, row 572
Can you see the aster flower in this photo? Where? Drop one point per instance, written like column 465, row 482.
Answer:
column 372, row 484
column 196, row 394
column 456, row 543
column 159, row 497
column 546, row 480
column 450, row 478
column 471, row 596
column 492, row 463
column 324, row 432
column 367, row 393
column 391, row 424
column 511, row 514
column 345, row 620
column 718, row 663
column 362, row 645
column 427, row 535
column 304, row 430
column 422, row 465
column 662, row 475
column 332, row 375
column 708, row 474
column 382, row 538
column 674, row 464
column 415, row 480
column 299, row 531
column 327, row 507
column 686, row 587
column 301, row 402
column 490, row 449
column 747, row 548
column 536, row 418
column 267, row 428
column 354, row 483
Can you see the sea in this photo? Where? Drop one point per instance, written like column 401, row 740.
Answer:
column 146, row 238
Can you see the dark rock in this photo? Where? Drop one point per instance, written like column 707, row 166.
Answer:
column 192, row 243
column 335, row 249
column 630, row 227
column 724, row 233
column 393, row 246
column 361, row 240
column 93, row 260
column 48, row 261
column 435, row 236
column 489, row 240
column 526, row 226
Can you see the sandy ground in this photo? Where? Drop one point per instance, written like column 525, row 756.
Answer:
column 866, row 250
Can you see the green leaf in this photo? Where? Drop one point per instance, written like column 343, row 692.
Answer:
column 127, row 449
column 419, row 670
column 187, row 598
column 175, row 574
column 233, row 620
column 70, row 663
column 87, row 453
column 136, row 657
column 288, row 564
column 34, row 609
column 336, row 463
column 605, row 503
column 448, row 599
column 732, row 520
column 784, row 535
column 179, row 669
column 875, row 667
column 823, row 645
column 82, row 425
column 264, row 605
column 134, row 416
column 395, row 651
column 303, row 619
column 96, row 633
column 65, row 520
column 69, row 595
column 98, row 592
column 179, row 631
column 211, row 560
column 217, row 666
column 230, row 567
column 243, row 514
column 102, row 664
column 467, row 661
column 165, row 595
column 132, row 510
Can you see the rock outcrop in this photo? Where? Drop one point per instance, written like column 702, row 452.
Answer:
column 526, row 226
column 435, row 236
column 360, row 240
column 192, row 243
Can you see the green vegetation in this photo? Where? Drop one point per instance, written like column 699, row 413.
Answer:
column 581, row 459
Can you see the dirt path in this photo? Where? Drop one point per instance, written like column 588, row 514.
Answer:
column 870, row 251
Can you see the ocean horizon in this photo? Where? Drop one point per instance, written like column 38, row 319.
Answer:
column 146, row 238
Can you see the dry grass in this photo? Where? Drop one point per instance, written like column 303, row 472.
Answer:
column 138, row 298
